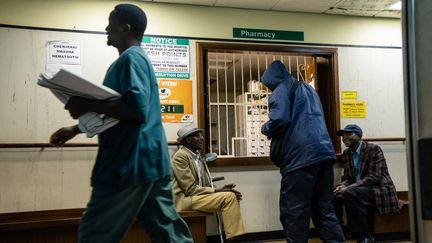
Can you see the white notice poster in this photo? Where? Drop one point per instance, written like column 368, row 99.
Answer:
column 64, row 52
column 169, row 56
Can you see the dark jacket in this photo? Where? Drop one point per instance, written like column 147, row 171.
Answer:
column 305, row 137
column 373, row 173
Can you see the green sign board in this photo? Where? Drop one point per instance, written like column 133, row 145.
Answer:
column 172, row 109
column 268, row 34
column 169, row 56
column 172, row 75
column 165, row 41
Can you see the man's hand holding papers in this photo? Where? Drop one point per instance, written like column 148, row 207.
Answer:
column 74, row 91
column 77, row 106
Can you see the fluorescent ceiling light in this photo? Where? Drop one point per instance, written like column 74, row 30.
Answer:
column 396, row 6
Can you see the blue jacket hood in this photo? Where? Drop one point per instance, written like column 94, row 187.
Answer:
column 275, row 74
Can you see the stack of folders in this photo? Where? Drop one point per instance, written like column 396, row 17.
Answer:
column 65, row 84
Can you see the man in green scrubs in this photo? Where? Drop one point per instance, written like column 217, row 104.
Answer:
column 132, row 175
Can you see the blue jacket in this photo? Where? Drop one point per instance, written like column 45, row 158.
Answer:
column 305, row 137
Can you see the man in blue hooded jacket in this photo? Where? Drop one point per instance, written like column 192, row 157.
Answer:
column 306, row 157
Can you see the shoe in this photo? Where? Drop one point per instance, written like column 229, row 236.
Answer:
column 366, row 239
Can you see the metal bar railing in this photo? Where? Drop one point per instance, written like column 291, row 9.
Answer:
column 67, row 145
column 170, row 143
column 385, row 139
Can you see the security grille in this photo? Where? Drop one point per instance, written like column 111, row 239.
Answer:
column 237, row 99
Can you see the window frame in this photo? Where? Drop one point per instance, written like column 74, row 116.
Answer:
column 331, row 100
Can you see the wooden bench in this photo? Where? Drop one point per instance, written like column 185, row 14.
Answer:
column 394, row 222
column 55, row 226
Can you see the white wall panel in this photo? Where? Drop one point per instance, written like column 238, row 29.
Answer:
column 42, row 180
column 376, row 75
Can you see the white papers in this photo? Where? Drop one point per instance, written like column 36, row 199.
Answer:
column 63, row 55
column 53, row 68
column 64, row 84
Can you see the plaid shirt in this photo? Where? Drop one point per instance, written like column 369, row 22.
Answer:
column 373, row 173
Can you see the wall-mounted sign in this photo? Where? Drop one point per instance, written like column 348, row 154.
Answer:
column 268, row 34
column 353, row 109
column 169, row 56
column 63, row 52
column 176, row 100
column 349, row 95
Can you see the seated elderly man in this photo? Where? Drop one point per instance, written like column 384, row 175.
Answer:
column 192, row 186
column 366, row 184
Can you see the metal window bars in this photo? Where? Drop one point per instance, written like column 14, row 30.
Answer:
column 238, row 100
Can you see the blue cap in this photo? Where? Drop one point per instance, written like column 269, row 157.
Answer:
column 350, row 128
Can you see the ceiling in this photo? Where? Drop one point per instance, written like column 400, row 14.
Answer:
column 371, row 8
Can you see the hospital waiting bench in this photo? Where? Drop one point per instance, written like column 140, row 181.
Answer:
column 394, row 222
column 60, row 226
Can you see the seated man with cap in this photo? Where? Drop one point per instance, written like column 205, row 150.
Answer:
column 192, row 186
column 366, row 184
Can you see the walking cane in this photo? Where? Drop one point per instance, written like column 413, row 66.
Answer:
column 209, row 158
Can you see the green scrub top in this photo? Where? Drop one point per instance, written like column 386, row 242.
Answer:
column 133, row 152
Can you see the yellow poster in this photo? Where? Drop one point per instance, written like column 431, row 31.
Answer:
column 353, row 109
column 176, row 100
column 349, row 95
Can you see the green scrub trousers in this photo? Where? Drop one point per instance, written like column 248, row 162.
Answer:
column 109, row 214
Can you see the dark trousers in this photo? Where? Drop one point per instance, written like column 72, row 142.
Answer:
column 308, row 193
column 359, row 204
